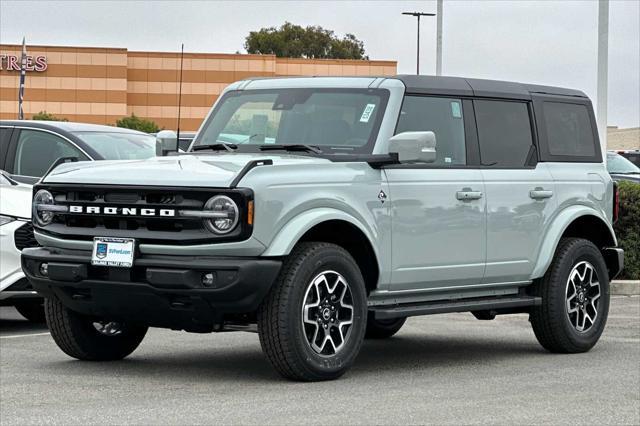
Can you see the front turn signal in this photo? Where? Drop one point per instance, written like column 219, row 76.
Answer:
column 250, row 213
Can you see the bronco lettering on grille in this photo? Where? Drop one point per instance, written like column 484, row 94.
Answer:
column 123, row 211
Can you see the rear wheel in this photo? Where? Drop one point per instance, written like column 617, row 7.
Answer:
column 312, row 322
column 575, row 298
column 88, row 338
column 383, row 328
column 33, row 310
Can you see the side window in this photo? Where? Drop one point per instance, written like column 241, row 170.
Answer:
column 569, row 129
column 5, row 135
column 442, row 116
column 504, row 133
column 36, row 151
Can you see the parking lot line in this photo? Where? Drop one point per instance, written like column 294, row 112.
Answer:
column 15, row 336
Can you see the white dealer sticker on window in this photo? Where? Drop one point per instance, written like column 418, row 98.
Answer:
column 366, row 114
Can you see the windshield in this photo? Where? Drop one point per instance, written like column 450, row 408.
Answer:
column 120, row 146
column 344, row 120
column 618, row 164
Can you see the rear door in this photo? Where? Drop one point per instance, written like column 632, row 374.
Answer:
column 519, row 190
column 438, row 209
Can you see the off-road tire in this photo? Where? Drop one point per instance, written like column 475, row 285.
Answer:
column 550, row 320
column 77, row 337
column 383, row 329
column 280, row 328
column 32, row 310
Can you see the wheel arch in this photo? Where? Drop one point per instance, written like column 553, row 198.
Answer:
column 333, row 226
column 579, row 222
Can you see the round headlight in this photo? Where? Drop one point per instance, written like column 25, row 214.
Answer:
column 228, row 216
column 42, row 217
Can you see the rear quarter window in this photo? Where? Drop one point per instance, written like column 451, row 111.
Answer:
column 569, row 131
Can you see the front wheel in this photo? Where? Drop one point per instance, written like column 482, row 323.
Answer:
column 88, row 338
column 575, row 298
column 312, row 322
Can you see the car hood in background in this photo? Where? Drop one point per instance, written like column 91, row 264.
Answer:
column 15, row 200
column 622, row 176
column 203, row 170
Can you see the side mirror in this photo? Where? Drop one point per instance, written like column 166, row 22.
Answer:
column 166, row 142
column 414, row 147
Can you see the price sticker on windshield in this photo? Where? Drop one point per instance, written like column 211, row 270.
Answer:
column 366, row 114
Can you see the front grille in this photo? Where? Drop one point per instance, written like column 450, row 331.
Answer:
column 154, row 229
column 24, row 238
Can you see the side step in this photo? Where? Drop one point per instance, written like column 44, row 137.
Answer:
column 464, row 305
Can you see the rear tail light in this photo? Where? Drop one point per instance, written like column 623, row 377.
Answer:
column 616, row 202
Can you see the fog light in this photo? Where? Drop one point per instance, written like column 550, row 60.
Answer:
column 44, row 269
column 209, row 279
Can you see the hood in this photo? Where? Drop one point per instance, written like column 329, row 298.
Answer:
column 212, row 170
column 627, row 177
column 15, row 200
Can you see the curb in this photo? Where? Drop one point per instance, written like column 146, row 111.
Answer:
column 625, row 287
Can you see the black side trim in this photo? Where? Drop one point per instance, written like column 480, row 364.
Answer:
column 247, row 168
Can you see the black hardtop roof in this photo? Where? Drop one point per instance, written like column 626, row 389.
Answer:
column 459, row 86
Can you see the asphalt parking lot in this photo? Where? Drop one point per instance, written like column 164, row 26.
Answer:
column 438, row 369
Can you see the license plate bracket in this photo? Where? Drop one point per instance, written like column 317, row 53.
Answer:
column 109, row 251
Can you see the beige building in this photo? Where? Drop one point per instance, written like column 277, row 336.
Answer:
column 102, row 85
column 623, row 138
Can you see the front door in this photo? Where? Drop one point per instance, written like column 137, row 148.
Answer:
column 438, row 209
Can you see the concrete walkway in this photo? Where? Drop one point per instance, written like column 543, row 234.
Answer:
column 625, row 287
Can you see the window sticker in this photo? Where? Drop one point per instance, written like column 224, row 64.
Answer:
column 456, row 112
column 366, row 114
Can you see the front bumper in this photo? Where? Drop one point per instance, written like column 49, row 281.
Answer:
column 158, row 291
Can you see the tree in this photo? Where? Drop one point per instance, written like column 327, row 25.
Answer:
column 313, row 42
column 45, row 116
column 136, row 123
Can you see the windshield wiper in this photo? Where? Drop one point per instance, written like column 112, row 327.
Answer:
column 221, row 146
column 292, row 147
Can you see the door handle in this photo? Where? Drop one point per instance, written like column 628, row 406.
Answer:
column 468, row 195
column 540, row 194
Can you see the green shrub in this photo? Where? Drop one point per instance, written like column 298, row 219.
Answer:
column 136, row 123
column 628, row 228
column 45, row 116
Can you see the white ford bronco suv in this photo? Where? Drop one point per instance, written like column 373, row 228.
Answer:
column 320, row 211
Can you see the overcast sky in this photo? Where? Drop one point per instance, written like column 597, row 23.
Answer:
column 545, row 42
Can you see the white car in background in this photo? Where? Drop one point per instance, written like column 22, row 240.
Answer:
column 16, row 233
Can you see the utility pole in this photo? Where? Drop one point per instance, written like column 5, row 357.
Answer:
column 418, row 15
column 603, row 71
column 439, row 38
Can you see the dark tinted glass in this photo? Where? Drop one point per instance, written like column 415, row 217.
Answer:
column 342, row 120
column 36, row 152
column 504, row 133
column 443, row 117
column 568, row 129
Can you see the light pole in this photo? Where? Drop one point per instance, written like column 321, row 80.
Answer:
column 418, row 15
column 439, row 38
column 603, row 67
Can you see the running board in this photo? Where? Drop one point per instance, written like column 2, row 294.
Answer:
column 464, row 305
